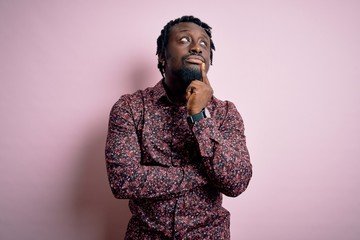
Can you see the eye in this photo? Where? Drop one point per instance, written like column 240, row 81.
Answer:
column 203, row 43
column 184, row 40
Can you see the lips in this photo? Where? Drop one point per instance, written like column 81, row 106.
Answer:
column 194, row 59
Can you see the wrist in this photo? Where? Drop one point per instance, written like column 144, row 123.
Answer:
column 204, row 113
column 194, row 111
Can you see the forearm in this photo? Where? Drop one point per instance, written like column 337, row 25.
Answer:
column 152, row 181
column 224, row 153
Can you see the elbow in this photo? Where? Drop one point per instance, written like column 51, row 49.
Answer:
column 118, row 187
column 238, row 185
column 116, row 193
column 119, row 193
column 118, row 183
column 236, row 190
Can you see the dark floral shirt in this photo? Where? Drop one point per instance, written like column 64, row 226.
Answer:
column 173, row 172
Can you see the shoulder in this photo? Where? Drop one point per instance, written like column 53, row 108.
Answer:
column 132, row 103
column 133, row 100
column 223, row 110
column 221, row 106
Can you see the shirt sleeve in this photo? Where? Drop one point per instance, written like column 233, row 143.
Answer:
column 224, row 152
column 130, row 179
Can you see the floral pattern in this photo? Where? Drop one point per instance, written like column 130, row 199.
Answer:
column 173, row 172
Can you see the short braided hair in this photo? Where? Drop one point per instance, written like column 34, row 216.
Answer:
column 162, row 40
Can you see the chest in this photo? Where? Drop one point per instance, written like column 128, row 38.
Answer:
column 166, row 138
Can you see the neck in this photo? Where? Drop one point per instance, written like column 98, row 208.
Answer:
column 175, row 93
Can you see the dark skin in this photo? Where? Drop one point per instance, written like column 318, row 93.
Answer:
column 188, row 47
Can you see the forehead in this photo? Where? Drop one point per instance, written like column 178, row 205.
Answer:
column 187, row 27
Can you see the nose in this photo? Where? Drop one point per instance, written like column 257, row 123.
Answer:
column 195, row 49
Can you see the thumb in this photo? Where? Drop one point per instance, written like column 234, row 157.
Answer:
column 188, row 93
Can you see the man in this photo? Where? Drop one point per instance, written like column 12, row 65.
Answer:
column 174, row 149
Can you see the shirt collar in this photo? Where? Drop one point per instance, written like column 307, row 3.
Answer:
column 159, row 91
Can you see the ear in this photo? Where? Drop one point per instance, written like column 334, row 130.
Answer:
column 161, row 59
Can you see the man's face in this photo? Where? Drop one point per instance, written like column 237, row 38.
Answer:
column 188, row 47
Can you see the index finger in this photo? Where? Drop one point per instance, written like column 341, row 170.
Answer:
column 203, row 74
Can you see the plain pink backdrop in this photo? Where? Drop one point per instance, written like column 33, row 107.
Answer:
column 291, row 67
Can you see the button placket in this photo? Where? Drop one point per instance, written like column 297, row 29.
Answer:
column 175, row 161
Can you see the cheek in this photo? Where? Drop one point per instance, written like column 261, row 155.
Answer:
column 170, row 56
column 172, row 60
column 208, row 61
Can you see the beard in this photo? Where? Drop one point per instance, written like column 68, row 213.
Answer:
column 189, row 74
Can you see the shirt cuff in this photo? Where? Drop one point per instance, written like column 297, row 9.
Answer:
column 207, row 136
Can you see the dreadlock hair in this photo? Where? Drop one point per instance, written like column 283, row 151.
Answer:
column 162, row 40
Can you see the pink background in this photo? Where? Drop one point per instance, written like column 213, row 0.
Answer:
column 291, row 67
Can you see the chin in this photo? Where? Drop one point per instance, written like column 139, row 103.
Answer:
column 189, row 74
